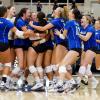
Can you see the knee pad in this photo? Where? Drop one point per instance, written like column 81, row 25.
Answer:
column 16, row 70
column 62, row 69
column 48, row 69
column 32, row 69
column 82, row 70
column 40, row 69
column 55, row 67
column 7, row 64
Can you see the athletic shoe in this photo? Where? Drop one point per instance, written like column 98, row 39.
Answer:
column 52, row 86
column 27, row 88
column 20, row 83
column 85, row 80
column 60, row 88
column 71, row 88
column 12, row 86
column 4, row 86
column 25, row 83
column 38, row 87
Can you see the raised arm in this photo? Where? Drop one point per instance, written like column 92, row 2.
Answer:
column 40, row 28
column 21, row 34
column 87, row 37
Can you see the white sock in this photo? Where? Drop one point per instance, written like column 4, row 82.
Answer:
column 54, row 67
column 82, row 70
column 60, row 82
column 88, row 70
column 42, row 80
column 72, row 81
column 55, row 78
column 48, row 69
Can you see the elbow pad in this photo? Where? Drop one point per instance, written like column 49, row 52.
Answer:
column 62, row 36
column 42, row 41
column 20, row 34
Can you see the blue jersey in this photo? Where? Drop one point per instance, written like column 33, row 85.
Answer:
column 19, row 24
column 91, row 43
column 34, row 23
column 97, row 35
column 73, row 40
column 5, row 26
column 58, row 24
column 47, row 43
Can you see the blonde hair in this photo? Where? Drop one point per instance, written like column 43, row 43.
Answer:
column 66, row 11
column 62, row 12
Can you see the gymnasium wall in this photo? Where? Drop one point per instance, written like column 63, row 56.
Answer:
column 90, row 6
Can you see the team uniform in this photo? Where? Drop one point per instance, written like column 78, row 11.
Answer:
column 40, row 48
column 74, row 42
column 48, row 45
column 5, row 26
column 10, row 35
column 21, row 43
column 97, row 36
column 59, row 25
column 91, row 43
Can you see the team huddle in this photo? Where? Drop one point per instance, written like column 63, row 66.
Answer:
column 47, row 49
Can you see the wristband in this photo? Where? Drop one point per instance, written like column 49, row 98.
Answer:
column 20, row 34
column 42, row 41
column 62, row 36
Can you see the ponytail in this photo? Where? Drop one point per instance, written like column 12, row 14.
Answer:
column 20, row 14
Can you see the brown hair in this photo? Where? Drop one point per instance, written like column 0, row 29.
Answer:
column 88, row 18
column 10, row 6
column 3, row 10
column 98, row 20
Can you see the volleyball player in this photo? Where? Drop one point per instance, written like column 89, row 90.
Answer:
column 33, row 18
column 5, row 57
column 74, row 42
column 21, row 45
column 11, row 17
column 97, row 34
column 88, row 37
column 60, row 48
column 36, row 52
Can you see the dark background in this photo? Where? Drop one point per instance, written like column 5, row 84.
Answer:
column 46, row 1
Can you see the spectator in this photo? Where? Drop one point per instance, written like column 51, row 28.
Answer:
column 1, row 4
column 74, row 6
column 55, row 5
column 39, row 7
